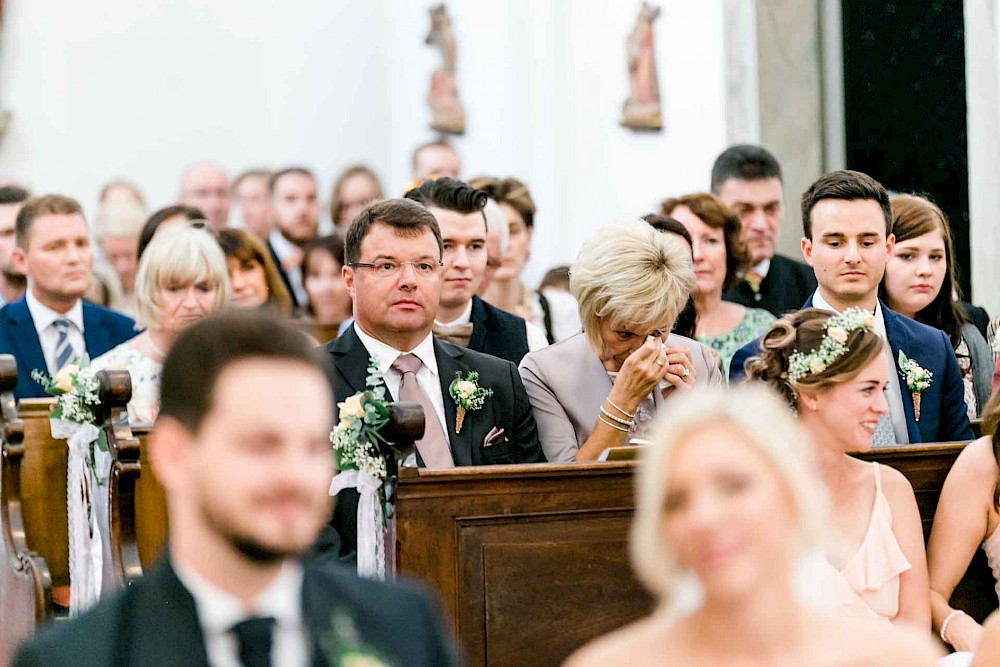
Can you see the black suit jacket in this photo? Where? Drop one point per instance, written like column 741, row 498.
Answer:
column 284, row 276
column 507, row 409
column 498, row 333
column 785, row 288
column 154, row 623
column 978, row 316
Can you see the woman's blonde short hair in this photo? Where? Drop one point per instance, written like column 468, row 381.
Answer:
column 767, row 422
column 178, row 255
column 633, row 276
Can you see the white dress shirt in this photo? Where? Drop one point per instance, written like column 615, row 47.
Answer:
column 536, row 336
column 283, row 248
column 427, row 376
column 218, row 612
column 762, row 267
column 894, row 395
column 44, row 318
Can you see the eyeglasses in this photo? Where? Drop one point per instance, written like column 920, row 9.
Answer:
column 388, row 268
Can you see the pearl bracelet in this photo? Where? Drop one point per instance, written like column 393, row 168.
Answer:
column 947, row 620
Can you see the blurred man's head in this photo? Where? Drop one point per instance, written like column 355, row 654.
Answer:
column 747, row 179
column 116, row 227
column 250, row 190
column 241, row 444
column 295, row 204
column 205, row 186
column 435, row 159
column 12, row 198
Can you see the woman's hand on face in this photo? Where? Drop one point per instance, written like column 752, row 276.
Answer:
column 679, row 370
column 640, row 373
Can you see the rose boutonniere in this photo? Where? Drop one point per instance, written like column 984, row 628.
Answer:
column 342, row 645
column 468, row 395
column 917, row 380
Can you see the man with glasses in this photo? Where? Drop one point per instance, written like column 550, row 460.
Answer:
column 393, row 271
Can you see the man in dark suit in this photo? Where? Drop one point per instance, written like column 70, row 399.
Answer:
column 242, row 449
column 847, row 226
column 52, row 325
column 393, row 271
column 747, row 179
column 296, row 217
column 463, row 318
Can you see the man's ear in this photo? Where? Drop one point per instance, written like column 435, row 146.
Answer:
column 18, row 260
column 890, row 243
column 169, row 445
column 807, row 249
column 347, row 273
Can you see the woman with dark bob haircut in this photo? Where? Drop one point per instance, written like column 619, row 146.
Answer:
column 719, row 254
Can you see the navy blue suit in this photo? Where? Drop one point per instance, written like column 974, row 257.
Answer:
column 497, row 333
column 103, row 329
column 943, row 416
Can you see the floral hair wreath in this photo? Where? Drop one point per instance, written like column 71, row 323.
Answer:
column 834, row 345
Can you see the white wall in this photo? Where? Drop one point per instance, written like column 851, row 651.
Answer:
column 113, row 88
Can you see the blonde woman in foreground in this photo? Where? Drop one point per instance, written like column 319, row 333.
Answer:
column 727, row 493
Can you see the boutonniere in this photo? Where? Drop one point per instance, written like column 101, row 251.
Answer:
column 468, row 395
column 342, row 646
column 917, row 380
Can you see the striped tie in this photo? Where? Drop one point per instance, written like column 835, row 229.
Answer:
column 64, row 349
column 884, row 435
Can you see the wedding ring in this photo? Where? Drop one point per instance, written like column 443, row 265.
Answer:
column 686, row 372
column 660, row 362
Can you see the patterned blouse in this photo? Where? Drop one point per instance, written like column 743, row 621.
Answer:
column 145, row 403
column 755, row 323
column 965, row 366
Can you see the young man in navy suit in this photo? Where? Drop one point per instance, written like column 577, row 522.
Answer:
column 52, row 324
column 463, row 318
column 847, row 225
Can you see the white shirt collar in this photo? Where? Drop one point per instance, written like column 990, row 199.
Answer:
column 281, row 245
column 43, row 316
column 464, row 318
column 219, row 611
column 384, row 354
column 820, row 302
column 762, row 267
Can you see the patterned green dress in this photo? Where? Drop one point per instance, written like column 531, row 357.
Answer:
column 755, row 323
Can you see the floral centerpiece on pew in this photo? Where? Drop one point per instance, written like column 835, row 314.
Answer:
column 75, row 419
column 362, row 456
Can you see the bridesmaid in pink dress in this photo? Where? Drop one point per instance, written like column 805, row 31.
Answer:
column 833, row 370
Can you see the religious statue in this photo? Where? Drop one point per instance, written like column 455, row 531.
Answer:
column 641, row 110
column 447, row 114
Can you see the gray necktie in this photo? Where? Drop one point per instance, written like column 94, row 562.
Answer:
column 64, row 349
column 433, row 447
column 884, row 435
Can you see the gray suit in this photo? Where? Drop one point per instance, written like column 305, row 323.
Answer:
column 982, row 365
column 567, row 384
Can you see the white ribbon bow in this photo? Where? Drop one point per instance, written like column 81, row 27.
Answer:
column 371, row 535
column 86, row 557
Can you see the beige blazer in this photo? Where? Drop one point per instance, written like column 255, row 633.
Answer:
column 567, row 384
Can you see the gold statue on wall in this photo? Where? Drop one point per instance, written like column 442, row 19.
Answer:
column 641, row 110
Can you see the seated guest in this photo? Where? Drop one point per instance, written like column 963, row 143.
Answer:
column 254, row 279
column 553, row 310
column 205, row 186
column 966, row 519
column 170, row 216
column 296, row 217
column 602, row 387
column 52, row 325
column 393, row 273
column 831, row 370
column 181, row 279
column 847, row 239
column 920, row 283
column 728, row 493
column 242, row 450
column 463, row 318
column 120, row 190
column 497, row 237
column 748, row 180
column 718, row 255
column 116, row 228
column 323, row 266
column 355, row 188
column 435, row 159
column 254, row 202
column 687, row 322
column 12, row 282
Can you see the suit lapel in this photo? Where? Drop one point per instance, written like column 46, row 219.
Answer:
column 450, row 362
column 25, row 339
column 96, row 338
column 478, row 319
column 351, row 361
column 898, row 340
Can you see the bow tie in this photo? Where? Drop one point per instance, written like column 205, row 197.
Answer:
column 456, row 334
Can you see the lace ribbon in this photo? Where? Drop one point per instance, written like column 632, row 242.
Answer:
column 86, row 558
column 371, row 535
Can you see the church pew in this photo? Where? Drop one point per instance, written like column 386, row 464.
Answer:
column 530, row 561
column 25, row 581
